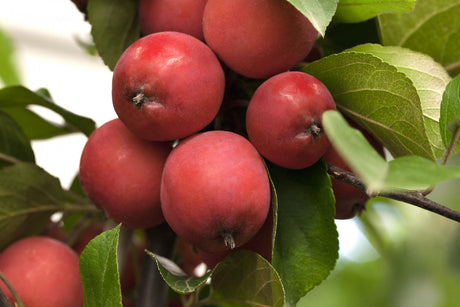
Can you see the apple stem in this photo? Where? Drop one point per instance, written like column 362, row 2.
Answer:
column 228, row 238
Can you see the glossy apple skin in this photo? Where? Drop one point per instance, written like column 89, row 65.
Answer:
column 257, row 38
column 44, row 272
column 349, row 201
column 281, row 116
column 215, row 182
column 167, row 86
column 121, row 174
column 185, row 16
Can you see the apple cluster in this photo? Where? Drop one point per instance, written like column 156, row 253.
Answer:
column 164, row 158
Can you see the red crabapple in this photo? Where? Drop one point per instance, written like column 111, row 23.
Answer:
column 43, row 271
column 121, row 174
column 215, row 191
column 167, row 85
column 284, row 116
column 257, row 38
column 184, row 16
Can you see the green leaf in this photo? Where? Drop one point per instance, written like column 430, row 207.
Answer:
column 99, row 270
column 14, row 97
column 306, row 243
column 175, row 277
column 403, row 173
column 245, row 278
column 14, row 142
column 114, row 26
column 377, row 97
column 429, row 78
column 450, row 112
column 432, row 27
column 360, row 10
column 9, row 73
column 28, row 196
column 34, row 126
column 319, row 12
column 417, row 173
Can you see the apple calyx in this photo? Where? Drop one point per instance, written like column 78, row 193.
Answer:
column 315, row 130
column 139, row 99
column 228, row 238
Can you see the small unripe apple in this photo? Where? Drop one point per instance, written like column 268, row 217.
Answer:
column 184, row 16
column 257, row 38
column 167, row 86
column 215, row 191
column 43, row 271
column 284, row 117
column 121, row 174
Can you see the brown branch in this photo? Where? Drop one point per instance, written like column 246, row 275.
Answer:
column 416, row 198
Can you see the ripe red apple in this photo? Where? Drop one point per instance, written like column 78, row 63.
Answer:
column 283, row 119
column 121, row 174
column 349, row 201
column 44, row 272
column 215, row 191
column 257, row 38
column 184, row 16
column 167, row 85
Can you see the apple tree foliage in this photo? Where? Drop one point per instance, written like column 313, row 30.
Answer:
column 393, row 67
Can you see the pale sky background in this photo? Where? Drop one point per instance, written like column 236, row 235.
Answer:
column 48, row 56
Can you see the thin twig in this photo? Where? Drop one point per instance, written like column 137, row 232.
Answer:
column 9, row 159
column 13, row 291
column 415, row 198
column 452, row 143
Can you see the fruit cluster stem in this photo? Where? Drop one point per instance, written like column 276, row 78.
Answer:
column 10, row 287
column 153, row 290
column 416, row 198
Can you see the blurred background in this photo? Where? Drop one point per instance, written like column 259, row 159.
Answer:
column 394, row 255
